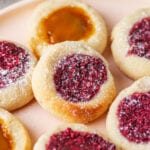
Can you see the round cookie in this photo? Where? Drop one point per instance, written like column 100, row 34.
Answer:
column 68, row 20
column 128, row 120
column 131, row 44
column 13, row 136
column 73, row 81
column 16, row 67
column 73, row 136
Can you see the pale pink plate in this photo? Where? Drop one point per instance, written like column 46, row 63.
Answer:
column 14, row 23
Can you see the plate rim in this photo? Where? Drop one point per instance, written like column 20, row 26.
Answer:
column 16, row 5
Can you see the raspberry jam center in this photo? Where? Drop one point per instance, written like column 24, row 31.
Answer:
column 66, row 24
column 74, row 140
column 14, row 61
column 78, row 77
column 139, row 39
column 134, row 117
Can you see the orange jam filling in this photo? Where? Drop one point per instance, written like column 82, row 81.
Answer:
column 65, row 24
column 5, row 139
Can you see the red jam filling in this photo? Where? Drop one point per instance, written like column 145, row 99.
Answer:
column 134, row 117
column 79, row 77
column 139, row 39
column 74, row 140
column 14, row 61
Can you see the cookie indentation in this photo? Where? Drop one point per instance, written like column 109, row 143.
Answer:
column 139, row 39
column 134, row 117
column 65, row 24
column 78, row 77
column 69, row 139
column 14, row 62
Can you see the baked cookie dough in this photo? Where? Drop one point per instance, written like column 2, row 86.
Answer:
column 16, row 67
column 55, row 21
column 131, row 44
column 73, row 81
column 128, row 120
column 73, row 136
column 13, row 136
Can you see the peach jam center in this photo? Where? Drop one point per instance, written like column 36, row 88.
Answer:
column 139, row 39
column 5, row 140
column 78, row 77
column 14, row 61
column 65, row 24
column 75, row 140
column 134, row 117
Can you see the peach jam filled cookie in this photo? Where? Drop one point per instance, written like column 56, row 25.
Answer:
column 16, row 67
column 13, row 136
column 55, row 21
column 131, row 44
column 73, row 137
column 128, row 120
column 73, row 81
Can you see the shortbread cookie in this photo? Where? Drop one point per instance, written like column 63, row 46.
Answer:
column 73, row 136
column 131, row 44
column 73, row 81
column 13, row 136
column 55, row 21
column 128, row 120
column 16, row 67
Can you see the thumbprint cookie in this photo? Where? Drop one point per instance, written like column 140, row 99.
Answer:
column 13, row 136
column 73, row 81
column 16, row 67
column 55, row 21
column 73, row 137
column 128, row 120
column 131, row 44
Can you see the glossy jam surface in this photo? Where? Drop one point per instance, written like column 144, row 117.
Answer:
column 5, row 139
column 139, row 39
column 74, row 140
column 65, row 24
column 78, row 77
column 14, row 61
column 134, row 117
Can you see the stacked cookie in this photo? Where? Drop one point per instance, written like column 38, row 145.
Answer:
column 58, row 21
column 71, row 79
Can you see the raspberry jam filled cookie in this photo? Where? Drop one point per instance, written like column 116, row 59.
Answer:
column 73, row 137
column 16, row 67
column 73, row 81
column 13, row 136
column 68, row 20
column 131, row 44
column 128, row 120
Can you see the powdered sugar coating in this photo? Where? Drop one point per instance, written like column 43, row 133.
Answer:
column 76, row 140
column 78, row 77
column 139, row 38
column 14, row 62
column 134, row 117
